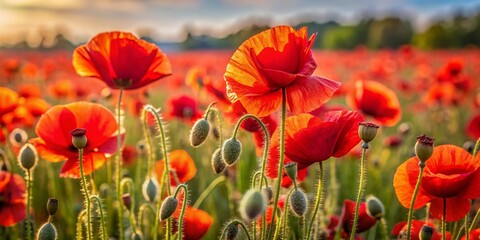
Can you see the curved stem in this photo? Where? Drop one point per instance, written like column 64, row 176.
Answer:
column 219, row 122
column 318, row 199
column 235, row 221
column 208, row 110
column 148, row 142
column 118, row 164
column 282, row 158
column 29, row 201
column 208, row 190
column 255, row 177
column 141, row 211
column 360, row 192
column 79, row 225
column 444, row 224
column 85, row 191
column 412, row 203
column 102, row 220
column 184, row 205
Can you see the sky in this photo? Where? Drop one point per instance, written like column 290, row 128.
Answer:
column 167, row 19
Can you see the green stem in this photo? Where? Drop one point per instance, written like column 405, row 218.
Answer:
column 208, row 110
column 412, row 203
column 118, row 164
column 444, row 224
column 383, row 227
column 85, row 191
column 318, row 199
column 148, row 142
column 29, row 201
column 477, row 145
column 102, row 220
column 141, row 213
column 360, row 191
column 184, row 205
column 79, row 225
column 208, row 190
column 282, row 158
column 284, row 219
column 235, row 221
column 467, row 234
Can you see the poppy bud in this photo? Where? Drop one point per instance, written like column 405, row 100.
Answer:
column 169, row 205
column 104, row 190
column 367, row 131
column 268, row 193
column 127, row 201
column 218, row 164
column 469, row 146
column 291, row 170
column 150, row 187
column 52, row 206
column 374, row 207
column 136, row 236
column 79, row 140
column 199, row 132
column 298, row 202
column 424, row 147
column 28, row 156
column 231, row 151
column 47, row 232
column 215, row 133
column 426, row 233
column 18, row 137
column 232, row 231
column 141, row 147
column 253, row 204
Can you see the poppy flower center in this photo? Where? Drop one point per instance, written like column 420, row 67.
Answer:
column 123, row 83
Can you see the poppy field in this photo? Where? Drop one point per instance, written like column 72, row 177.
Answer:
column 119, row 139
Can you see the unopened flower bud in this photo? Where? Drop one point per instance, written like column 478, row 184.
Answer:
column 18, row 137
column 141, row 147
column 424, row 147
column 199, row 132
column 52, row 206
column 149, row 188
column 298, row 202
column 252, row 205
column 232, row 231
column 28, row 156
column 169, row 205
column 374, row 207
column 231, row 150
column 426, row 232
column 127, row 201
column 47, row 232
column 291, row 170
column 367, row 131
column 215, row 133
column 79, row 140
column 218, row 164
column 268, row 193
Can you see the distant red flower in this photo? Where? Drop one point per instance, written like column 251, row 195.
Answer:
column 451, row 173
column 196, row 222
column 121, row 60
column 365, row 221
column 474, row 234
column 29, row 90
column 26, row 112
column 182, row 107
column 473, row 127
column 12, row 199
column 54, row 142
column 400, row 229
column 376, row 100
column 8, row 101
column 129, row 154
column 181, row 164
column 277, row 58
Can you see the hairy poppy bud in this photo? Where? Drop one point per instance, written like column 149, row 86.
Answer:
column 28, row 156
column 424, row 147
column 268, row 193
column 218, row 164
column 374, row 207
column 298, row 202
column 136, row 236
column 79, row 140
column 199, row 132
column 291, row 170
column 426, row 233
column 149, row 188
column 252, row 205
column 18, row 137
column 52, row 206
column 127, row 201
column 231, row 151
column 169, row 205
column 47, row 232
column 367, row 131
column 232, row 231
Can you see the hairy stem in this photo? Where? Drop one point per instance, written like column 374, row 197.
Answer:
column 360, row 191
column 318, row 200
column 118, row 164
column 87, row 194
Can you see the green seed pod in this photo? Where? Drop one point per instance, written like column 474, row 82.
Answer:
column 18, row 137
column 374, row 207
column 52, row 206
column 291, row 170
column 426, row 233
column 47, row 232
column 424, row 147
column 149, row 188
column 268, row 193
column 136, row 236
column 28, row 156
column 253, row 205
column 367, row 131
column 232, row 231
column 169, row 205
column 231, row 151
column 218, row 164
column 298, row 202
column 199, row 132
column 79, row 140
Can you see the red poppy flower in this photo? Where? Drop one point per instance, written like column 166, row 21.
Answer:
column 364, row 223
column 451, row 173
column 129, row 154
column 474, row 234
column 277, row 58
column 121, row 60
column 196, row 222
column 54, row 142
column 183, row 107
column 29, row 90
column 26, row 112
column 12, row 199
column 473, row 127
column 181, row 164
column 376, row 100
column 8, row 101
column 400, row 229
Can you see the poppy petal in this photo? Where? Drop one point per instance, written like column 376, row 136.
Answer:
column 404, row 182
column 306, row 95
column 91, row 162
column 457, row 208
